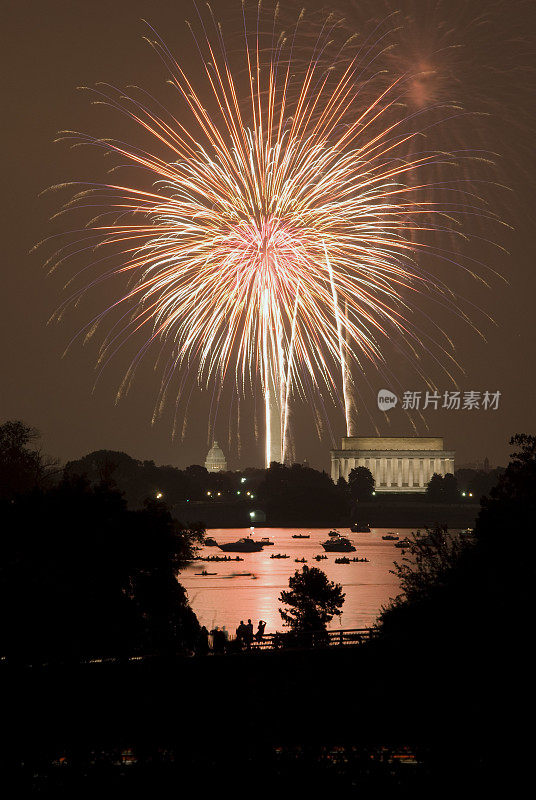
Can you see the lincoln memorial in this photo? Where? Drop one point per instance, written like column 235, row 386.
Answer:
column 397, row 464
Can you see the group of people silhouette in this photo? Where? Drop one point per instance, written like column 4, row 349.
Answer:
column 245, row 635
column 220, row 638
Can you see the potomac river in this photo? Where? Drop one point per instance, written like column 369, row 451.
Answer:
column 226, row 598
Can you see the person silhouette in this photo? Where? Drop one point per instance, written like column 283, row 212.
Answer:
column 218, row 641
column 260, row 631
column 202, row 642
column 249, row 633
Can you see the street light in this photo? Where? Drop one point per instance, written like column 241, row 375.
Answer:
column 159, row 495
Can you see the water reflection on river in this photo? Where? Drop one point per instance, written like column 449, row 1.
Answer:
column 225, row 598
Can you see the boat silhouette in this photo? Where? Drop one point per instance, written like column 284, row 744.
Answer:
column 338, row 544
column 244, row 545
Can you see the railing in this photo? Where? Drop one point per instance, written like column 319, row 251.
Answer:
column 289, row 640
column 347, row 637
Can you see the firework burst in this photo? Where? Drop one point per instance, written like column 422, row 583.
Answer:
column 275, row 244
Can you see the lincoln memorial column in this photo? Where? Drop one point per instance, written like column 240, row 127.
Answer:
column 421, row 472
column 410, row 472
column 383, row 471
column 335, row 469
column 398, row 462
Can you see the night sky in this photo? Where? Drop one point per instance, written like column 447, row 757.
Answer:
column 50, row 48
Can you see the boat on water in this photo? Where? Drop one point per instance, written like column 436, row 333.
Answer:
column 265, row 541
column 243, row 545
column 300, row 560
column 210, row 542
column 279, row 555
column 301, row 535
column 320, row 558
column 391, row 537
column 358, row 527
column 334, row 533
column 360, row 560
column 405, row 542
column 223, row 558
column 342, row 560
column 204, row 573
column 339, row 544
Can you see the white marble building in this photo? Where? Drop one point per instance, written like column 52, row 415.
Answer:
column 215, row 461
column 397, row 464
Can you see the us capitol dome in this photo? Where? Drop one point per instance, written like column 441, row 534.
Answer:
column 215, row 461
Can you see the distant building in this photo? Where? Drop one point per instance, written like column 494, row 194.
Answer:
column 215, row 461
column 397, row 464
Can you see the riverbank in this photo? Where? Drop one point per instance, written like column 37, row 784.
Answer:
column 380, row 513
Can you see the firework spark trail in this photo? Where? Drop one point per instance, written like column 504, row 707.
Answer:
column 342, row 354
column 300, row 192
column 290, row 366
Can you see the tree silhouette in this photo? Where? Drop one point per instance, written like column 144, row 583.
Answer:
column 313, row 600
column 81, row 576
column 297, row 493
column 451, row 584
column 434, row 490
column 451, row 492
column 443, row 489
column 361, row 484
column 21, row 467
